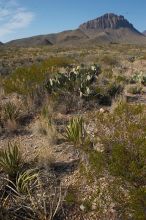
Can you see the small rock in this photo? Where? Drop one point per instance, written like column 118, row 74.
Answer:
column 82, row 207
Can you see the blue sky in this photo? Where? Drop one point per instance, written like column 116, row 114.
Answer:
column 23, row 18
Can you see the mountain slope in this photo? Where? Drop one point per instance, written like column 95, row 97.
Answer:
column 112, row 28
column 106, row 21
column 105, row 29
column 65, row 37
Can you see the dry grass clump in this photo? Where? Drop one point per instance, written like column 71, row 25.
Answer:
column 45, row 124
column 45, row 157
column 10, row 115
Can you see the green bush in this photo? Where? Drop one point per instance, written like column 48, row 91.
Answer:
column 25, row 80
column 138, row 78
column 107, row 89
column 135, row 89
column 123, row 135
column 138, row 203
column 114, row 88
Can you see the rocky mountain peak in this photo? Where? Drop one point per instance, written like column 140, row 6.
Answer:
column 108, row 20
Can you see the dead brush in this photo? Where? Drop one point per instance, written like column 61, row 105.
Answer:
column 41, row 201
column 46, row 204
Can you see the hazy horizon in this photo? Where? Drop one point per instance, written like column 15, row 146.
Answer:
column 25, row 19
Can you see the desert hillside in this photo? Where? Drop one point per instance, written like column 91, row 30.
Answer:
column 72, row 129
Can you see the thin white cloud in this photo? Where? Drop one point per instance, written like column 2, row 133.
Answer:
column 13, row 17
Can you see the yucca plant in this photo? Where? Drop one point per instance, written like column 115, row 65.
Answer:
column 75, row 131
column 25, row 181
column 10, row 161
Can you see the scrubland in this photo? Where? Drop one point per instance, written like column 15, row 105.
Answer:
column 73, row 133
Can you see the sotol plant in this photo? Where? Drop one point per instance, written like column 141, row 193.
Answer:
column 75, row 131
column 10, row 161
column 25, row 181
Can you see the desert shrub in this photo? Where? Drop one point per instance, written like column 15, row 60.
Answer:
column 124, row 163
column 109, row 60
column 114, row 88
column 107, row 72
column 143, row 81
column 96, row 162
column 105, row 99
column 135, row 89
column 10, row 111
column 138, row 203
column 107, row 89
column 138, row 78
column 25, row 80
column 123, row 135
column 58, row 62
column 143, row 57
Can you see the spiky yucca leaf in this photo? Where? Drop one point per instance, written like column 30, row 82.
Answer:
column 75, row 131
column 10, row 160
column 26, row 180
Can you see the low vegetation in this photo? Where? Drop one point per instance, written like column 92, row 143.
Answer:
column 72, row 145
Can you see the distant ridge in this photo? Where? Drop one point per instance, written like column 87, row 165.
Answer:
column 109, row 28
column 109, row 20
column 144, row 32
